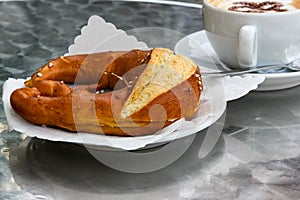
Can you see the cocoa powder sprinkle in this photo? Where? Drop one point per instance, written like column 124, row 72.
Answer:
column 258, row 7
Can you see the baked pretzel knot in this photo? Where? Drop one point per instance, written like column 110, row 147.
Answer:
column 117, row 93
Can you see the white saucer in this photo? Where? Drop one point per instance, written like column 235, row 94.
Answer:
column 198, row 42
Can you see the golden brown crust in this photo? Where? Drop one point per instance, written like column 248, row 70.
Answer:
column 84, row 108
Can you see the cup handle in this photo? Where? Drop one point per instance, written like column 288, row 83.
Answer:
column 247, row 46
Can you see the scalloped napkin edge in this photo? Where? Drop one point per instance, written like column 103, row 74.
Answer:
column 99, row 35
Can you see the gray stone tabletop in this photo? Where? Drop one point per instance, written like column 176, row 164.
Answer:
column 256, row 155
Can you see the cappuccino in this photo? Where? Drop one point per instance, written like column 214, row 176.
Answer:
column 256, row 6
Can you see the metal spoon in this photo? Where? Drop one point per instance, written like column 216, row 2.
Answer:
column 293, row 66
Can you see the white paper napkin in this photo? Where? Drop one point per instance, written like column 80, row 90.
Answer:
column 99, row 35
column 211, row 109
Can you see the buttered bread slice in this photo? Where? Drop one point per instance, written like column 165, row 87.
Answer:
column 164, row 71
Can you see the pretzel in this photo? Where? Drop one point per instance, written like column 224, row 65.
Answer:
column 125, row 93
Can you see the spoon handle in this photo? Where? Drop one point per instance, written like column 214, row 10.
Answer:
column 242, row 71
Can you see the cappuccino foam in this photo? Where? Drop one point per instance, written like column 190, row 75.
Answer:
column 257, row 6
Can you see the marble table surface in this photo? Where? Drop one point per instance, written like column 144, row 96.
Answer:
column 256, row 154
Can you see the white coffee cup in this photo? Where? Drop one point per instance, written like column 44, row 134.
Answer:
column 252, row 39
